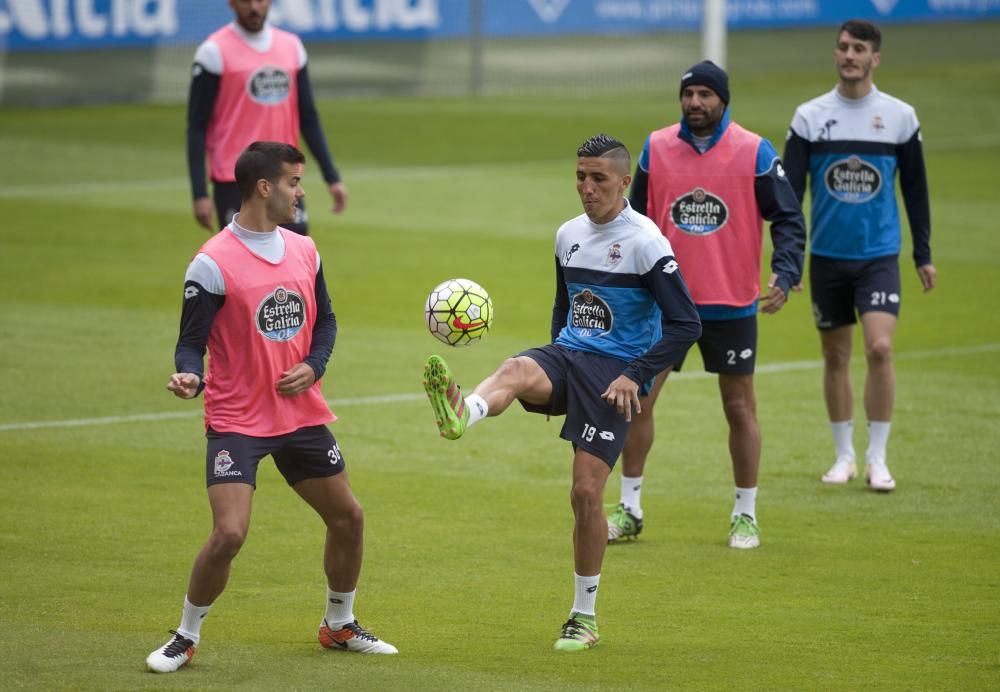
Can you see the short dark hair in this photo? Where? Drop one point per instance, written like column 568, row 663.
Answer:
column 863, row 31
column 606, row 146
column 263, row 160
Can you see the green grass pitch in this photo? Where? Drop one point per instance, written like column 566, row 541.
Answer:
column 468, row 565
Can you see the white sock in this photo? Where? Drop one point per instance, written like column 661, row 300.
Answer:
column 477, row 408
column 878, row 438
column 191, row 619
column 843, row 438
column 631, row 489
column 339, row 608
column 586, row 595
column 746, row 502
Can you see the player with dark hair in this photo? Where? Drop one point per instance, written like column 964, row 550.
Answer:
column 250, row 82
column 615, row 275
column 256, row 296
column 709, row 184
column 852, row 142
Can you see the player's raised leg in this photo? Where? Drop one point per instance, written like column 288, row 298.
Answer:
column 519, row 377
column 450, row 410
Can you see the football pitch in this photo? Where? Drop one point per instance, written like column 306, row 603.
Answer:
column 468, row 564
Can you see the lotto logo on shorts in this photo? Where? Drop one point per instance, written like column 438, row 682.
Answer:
column 223, row 463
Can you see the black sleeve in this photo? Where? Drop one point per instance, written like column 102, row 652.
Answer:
column 324, row 332
column 778, row 204
column 561, row 306
column 681, row 324
column 201, row 102
column 197, row 315
column 796, row 161
column 312, row 130
column 638, row 195
column 913, row 182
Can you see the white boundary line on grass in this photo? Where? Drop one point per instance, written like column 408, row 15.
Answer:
column 362, row 173
column 788, row 366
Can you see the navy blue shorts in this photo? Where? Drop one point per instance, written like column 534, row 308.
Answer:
column 227, row 203
column 728, row 347
column 843, row 288
column 310, row 452
column 578, row 379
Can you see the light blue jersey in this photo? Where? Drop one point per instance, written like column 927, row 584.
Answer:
column 617, row 283
column 852, row 150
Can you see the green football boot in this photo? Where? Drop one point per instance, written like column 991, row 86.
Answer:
column 622, row 524
column 579, row 633
column 446, row 398
column 744, row 532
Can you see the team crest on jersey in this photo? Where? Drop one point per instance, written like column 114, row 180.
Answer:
column 223, row 462
column 877, row 123
column 269, row 85
column 590, row 315
column 699, row 212
column 614, row 254
column 852, row 180
column 281, row 315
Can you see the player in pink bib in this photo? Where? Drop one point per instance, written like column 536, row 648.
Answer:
column 709, row 184
column 250, row 83
column 256, row 297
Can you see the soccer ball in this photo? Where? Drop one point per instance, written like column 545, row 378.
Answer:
column 459, row 312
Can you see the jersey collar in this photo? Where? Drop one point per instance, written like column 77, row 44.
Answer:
column 720, row 129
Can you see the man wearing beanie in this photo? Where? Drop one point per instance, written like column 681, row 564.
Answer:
column 709, row 185
column 851, row 141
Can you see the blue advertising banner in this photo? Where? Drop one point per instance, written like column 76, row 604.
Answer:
column 74, row 24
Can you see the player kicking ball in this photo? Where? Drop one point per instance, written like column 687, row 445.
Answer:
column 622, row 314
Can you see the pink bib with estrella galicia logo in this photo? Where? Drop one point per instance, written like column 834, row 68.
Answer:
column 263, row 328
column 706, row 207
column 258, row 98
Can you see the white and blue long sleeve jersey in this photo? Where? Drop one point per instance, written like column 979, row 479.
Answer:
column 616, row 285
column 852, row 150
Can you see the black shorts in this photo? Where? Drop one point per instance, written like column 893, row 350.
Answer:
column 728, row 347
column 310, row 452
column 578, row 379
column 227, row 203
column 843, row 288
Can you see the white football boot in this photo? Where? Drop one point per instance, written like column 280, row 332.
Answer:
column 172, row 655
column 353, row 637
column 842, row 471
column 879, row 478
